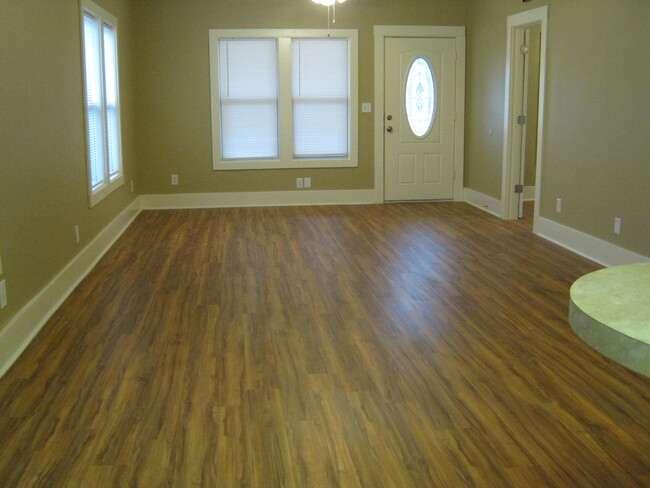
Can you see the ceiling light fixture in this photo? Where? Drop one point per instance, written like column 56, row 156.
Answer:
column 328, row 4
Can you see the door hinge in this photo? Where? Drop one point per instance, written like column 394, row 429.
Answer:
column 519, row 188
column 521, row 119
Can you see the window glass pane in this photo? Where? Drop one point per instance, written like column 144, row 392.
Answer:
column 248, row 89
column 420, row 97
column 320, row 68
column 320, row 90
column 92, row 66
column 249, row 129
column 320, row 129
column 111, row 91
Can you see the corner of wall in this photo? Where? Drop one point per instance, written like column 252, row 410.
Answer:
column 484, row 202
column 588, row 246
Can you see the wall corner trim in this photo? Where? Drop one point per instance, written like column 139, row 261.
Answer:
column 29, row 320
column 484, row 202
column 586, row 245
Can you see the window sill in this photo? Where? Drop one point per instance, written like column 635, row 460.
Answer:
column 98, row 195
column 280, row 164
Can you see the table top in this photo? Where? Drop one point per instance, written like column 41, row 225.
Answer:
column 618, row 297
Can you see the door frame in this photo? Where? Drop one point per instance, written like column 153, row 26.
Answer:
column 510, row 169
column 381, row 32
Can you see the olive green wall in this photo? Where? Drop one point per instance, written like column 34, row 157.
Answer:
column 596, row 151
column 173, row 90
column 43, row 167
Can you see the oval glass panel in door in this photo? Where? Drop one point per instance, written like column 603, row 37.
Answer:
column 420, row 97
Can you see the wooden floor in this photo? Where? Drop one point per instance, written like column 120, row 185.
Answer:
column 405, row 345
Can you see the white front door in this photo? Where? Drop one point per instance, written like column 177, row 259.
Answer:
column 419, row 100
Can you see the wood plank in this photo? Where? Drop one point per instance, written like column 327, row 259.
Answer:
column 401, row 345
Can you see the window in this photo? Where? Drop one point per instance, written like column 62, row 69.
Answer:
column 420, row 97
column 248, row 89
column 321, row 97
column 104, row 152
column 283, row 99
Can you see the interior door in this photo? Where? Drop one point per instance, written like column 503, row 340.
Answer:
column 419, row 116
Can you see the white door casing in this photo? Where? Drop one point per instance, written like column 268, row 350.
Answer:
column 419, row 167
column 520, row 104
column 457, row 34
column 510, row 172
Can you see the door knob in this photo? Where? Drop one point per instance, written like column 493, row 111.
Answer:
column 389, row 129
column 390, row 117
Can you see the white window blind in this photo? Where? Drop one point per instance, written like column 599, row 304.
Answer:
column 112, row 113
column 94, row 96
column 320, row 88
column 248, row 87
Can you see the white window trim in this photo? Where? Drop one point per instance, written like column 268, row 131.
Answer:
column 95, row 196
column 285, row 108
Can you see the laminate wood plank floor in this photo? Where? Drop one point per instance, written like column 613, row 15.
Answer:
column 401, row 345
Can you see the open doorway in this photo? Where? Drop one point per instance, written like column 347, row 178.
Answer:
column 530, row 104
column 524, row 113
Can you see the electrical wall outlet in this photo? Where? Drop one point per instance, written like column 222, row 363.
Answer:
column 77, row 236
column 0, row 265
column 174, row 179
column 558, row 205
column 366, row 107
column 299, row 183
column 307, row 182
column 617, row 225
column 131, row 186
column 3, row 294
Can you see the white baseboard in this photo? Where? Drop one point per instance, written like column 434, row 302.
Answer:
column 20, row 331
column 484, row 202
column 586, row 245
column 258, row 199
